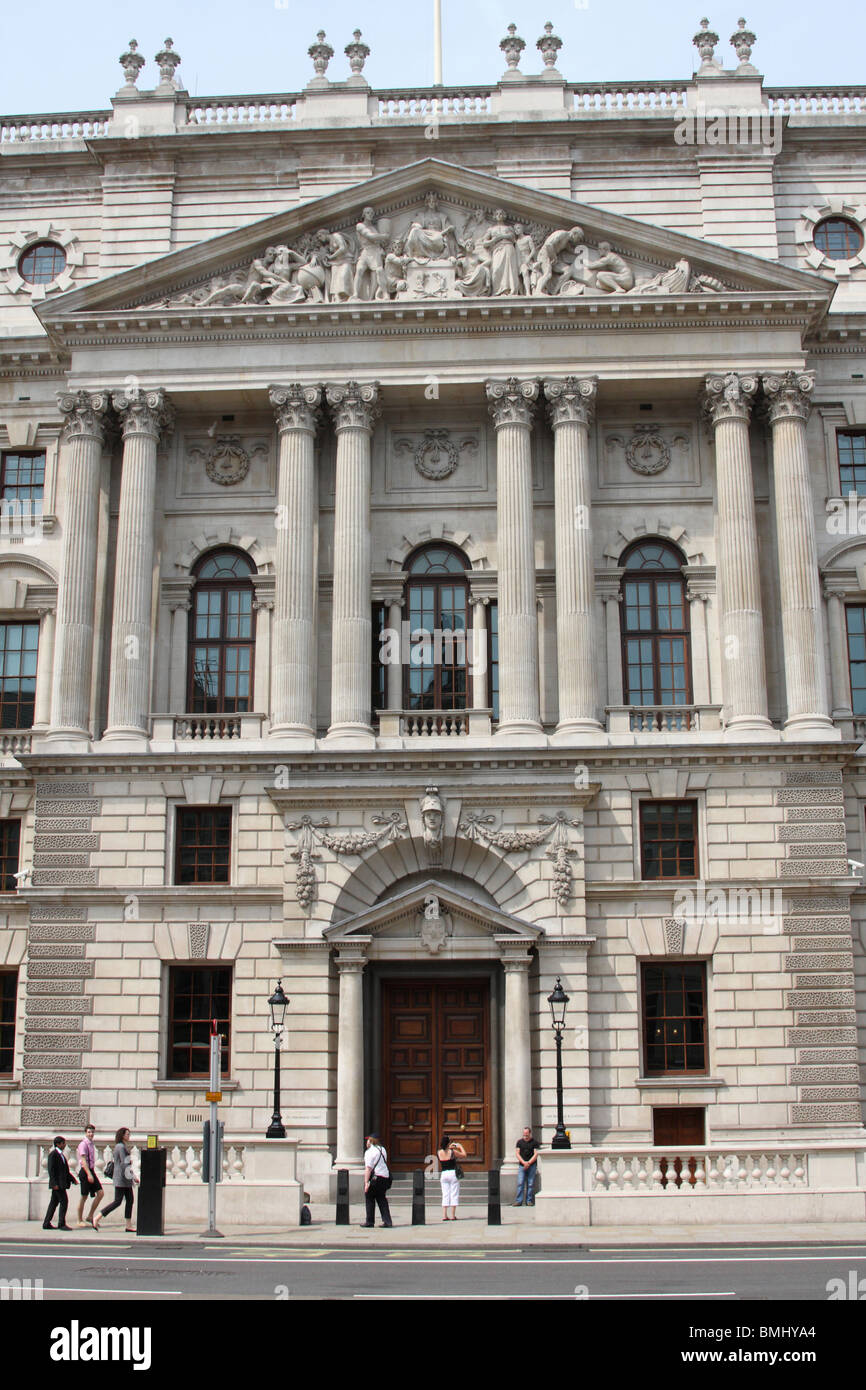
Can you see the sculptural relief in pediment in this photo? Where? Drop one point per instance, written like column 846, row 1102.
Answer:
column 436, row 253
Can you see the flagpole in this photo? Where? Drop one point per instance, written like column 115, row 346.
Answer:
column 437, row 43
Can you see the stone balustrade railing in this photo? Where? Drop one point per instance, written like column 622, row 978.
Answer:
column 692, row 1171
column 183, row 1163
column 434, row 723
column 226, row 112
column 72, row 125
column 663, row 719
column 14, row 741
column 281, row 108
column 816, row 101
column 205, row 728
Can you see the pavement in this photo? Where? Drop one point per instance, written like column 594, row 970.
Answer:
column 519, row 1229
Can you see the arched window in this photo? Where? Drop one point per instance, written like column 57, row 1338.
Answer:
column 222, row 634
column 656, row 659
column 436, row 670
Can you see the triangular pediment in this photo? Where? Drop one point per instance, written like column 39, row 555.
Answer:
column 437, row 231
column 431, row 901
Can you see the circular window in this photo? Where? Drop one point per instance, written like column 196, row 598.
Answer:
column 839, row 238
column 41, row 264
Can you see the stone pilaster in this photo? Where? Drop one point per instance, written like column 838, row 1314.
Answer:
column 44, row 669
column 517, row 1059
column 354, row 408
column 294, row 651
column 571, row 406
column 350, row 1059
column 839, row 669
column 144, row 416
column 788, row 398
column 480, row 670
column 512, row 403
column 728, row 403
column 81, row 461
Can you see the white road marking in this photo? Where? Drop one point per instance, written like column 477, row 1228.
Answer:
column 388, row 1256
column 118, row 1293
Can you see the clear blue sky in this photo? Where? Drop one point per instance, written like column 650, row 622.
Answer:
column 68, row 60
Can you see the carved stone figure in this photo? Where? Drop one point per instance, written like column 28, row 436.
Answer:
column 341, row 262
column 552, row 263
column 612, row 274
column 395, row 268
column 525, row 257
column 432, row 821
column 501, row 243
column 431, row 236
column 675, row 281
column 369, row 280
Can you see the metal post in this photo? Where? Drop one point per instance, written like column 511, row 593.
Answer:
column 276, row 1129
column 342, row 1197
column 214, row 1155
column 560, row 1138
column 418, row 1193
column 494, row 1198
column 437, row 43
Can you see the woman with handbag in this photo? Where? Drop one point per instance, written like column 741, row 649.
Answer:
column 449, row 1153
column 123, row 1178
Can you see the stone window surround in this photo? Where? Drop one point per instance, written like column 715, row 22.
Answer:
column 690, row 1080
column 698, row 795
column 172, row 806
column 27, row 435
column 19, row 241
column 162, row 1082
column 804, row 235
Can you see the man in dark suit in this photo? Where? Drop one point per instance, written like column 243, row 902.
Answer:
column 59, row 1180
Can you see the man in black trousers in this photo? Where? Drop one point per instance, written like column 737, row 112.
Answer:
column 59, row 1180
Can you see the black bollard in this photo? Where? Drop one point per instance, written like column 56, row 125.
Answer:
column 342, row 1196
column 494, row 1205
column 150, row 1218
column 418, row 1216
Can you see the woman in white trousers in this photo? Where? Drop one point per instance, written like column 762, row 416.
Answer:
column 448, row 1155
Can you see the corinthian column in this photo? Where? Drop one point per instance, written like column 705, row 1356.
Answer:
column 354, row 409
column 511, row 405
column 571, row 405
column 517, row 1079
column 294, row 652
column 728, row 405
column 144, row 416
column 81, row 461
column 788, row 406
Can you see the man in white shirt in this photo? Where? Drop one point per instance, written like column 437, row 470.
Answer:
column 377, row 1180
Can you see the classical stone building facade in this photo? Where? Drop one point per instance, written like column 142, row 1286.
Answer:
column 431, row 565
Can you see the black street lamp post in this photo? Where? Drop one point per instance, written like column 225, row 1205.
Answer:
column 278, row 1004
column 558, row 1002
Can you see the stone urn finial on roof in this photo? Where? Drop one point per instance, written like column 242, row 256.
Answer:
column 742, row 42
column 548, row 46
column 512, row 46
column 705, row 42
column 357, row 53
column 321, row 53
column 132, row 62
column 168, row 61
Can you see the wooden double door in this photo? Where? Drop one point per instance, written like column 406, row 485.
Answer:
column 435, row 1069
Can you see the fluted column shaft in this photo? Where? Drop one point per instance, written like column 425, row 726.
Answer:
column 571, row 404
column 145, row 416
column 511, row 404
column 350, row 1063
column 354, row 408
column 517, row 1089
column 788, row 401
column 81, row 462
column 293, row 636
column 728, row 403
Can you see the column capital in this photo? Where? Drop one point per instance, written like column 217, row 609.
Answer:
column 571, row 399
column 85, row 412
column 788, row 395
column 512, row 401
column 728, row 397
column 354, row 405
column 351, row 965
column 144, row 412
column 296, row 407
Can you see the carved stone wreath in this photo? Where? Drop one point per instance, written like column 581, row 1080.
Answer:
column 436, row 457
column 226, row 461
